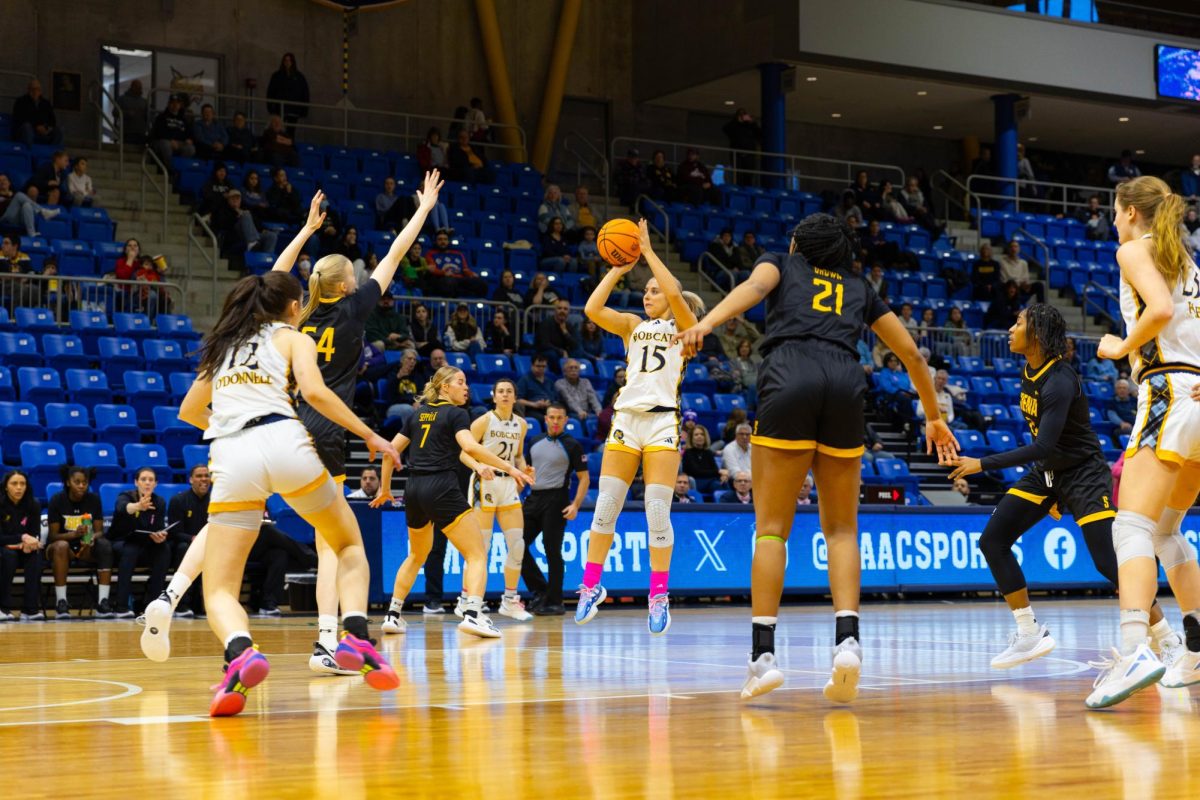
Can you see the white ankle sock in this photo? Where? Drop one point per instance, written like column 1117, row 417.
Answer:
column 178, row 587
column 1160, row 630
column 1026, row 622
column 396, row 606
column 327, row 626
column 104, row 587
column 1135, row 628
column 473, row 606
column 60, row 593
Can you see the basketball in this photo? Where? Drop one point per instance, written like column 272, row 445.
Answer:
column 618, row 242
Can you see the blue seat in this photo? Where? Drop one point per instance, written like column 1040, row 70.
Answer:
column 39, row 385
column 68, row 423
column 697, row 401
column 575, row 429
column 118, row 355
column 481, row 393
column 75, row 257
column 133, row 326
column 35, row 320
column 1013, row 474
column 972, row 443
column 1001, row 441
column 533, row 427
column 986, row 390
column 8, row 391
column 194, row 455
column 41, row 461
column 176, row 326
column 696, row 379
column 260, row 263
column 145, row 455
column 166, row 355
column 102, row 456
column 89, row 326
column 19, row 350
column 725, row 403
column 19, row 423
column 117, row 424
column 109, row 492
column 178, row 384
column 88, row 386
column 65, row 351
column 173, row 433
column 494, row 366
column 145, row 390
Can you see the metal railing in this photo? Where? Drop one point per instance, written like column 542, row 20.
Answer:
column 115, row 122
column 1064, row 203
column 212, row 256
column 993, row 344
column 1091, row 287
column 1045, row 252
column 584, row 164
column 354, row 126
column 442, row 308
column 63, row 293
column 665, row 233
column 960, row 199
column 163, row 191
column 708, row 258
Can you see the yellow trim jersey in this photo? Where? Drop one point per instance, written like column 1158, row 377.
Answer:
column 252, row 381
column 655, row 368
column 503, row 437
column 1177, row 346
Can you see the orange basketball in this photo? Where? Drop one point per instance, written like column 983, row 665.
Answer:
column 618, row 242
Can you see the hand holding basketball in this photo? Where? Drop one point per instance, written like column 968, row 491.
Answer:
column 618, row 242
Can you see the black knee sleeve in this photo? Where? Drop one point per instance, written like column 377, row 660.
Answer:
column 1098, row 537
column 1012, row 517
column 103, row 553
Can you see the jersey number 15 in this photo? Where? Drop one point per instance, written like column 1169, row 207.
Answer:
column 821, row 298
column 656, row 354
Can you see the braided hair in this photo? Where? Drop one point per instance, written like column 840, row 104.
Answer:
column 1045, row 325
column 825, row 241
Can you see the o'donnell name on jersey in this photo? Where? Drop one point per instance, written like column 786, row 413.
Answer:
column 239, row 378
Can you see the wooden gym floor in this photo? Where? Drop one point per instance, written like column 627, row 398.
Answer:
column 556, row 710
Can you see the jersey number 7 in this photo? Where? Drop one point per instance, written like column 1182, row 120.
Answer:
column 820, row 299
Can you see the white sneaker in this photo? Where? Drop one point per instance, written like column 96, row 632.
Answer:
column 847, row 666
column 322, row 662
column 459, row 605
column 49, row 213
column 1169, row 650
column 1023, row 648
column 762, row 675
column 6, row 617
column 433, row 610
column 514, row 608
column 394, row 623
column 1121, row 676
column 479, row 625
column 1183, row 670
column 156, row 638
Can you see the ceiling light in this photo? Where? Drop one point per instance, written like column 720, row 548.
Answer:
column 729, row 102
column 937, row 127
column 811, row 79
column 1140, row 152
column 922, row 93
column 1122, row 119
column 1033, row 138
column 836, row 115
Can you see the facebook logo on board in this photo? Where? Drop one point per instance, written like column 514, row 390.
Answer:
column 1059, row 548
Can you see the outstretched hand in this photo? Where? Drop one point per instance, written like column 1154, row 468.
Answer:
column 693, row 338
column 644, row 237
column 427, row 196
column 383, row 497
column 939, row 436
column 315, row 215
column 378, row 444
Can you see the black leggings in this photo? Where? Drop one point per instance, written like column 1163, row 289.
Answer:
column 1012, row 518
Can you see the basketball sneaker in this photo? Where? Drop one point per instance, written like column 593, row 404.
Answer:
column 62, row 610
column 1023, row 648
column 36, row 616
column 460, row 605
column 360, row 655
column 589, row 603
column 1122, row 676
column 1183, row 669
column 124, row 614
column 479, row 625
column 6, row 617
column 323, row 663
column 659, row 617
column 513, row 607
column 184, row 612
column 847, row 666
column 432, row 610
column 762, row 675
column 247, row 671
column 104, row 609
column 394, row 623
column 156, row 638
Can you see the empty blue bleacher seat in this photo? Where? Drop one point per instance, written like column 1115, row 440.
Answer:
column 41, row 461
column 117, row 424
column 144, row 390
column 88, row 386
column 65, row 351
column 165, row 355
column 8, row 391
column 68, row 423
column 39, row 385
column 103, row 457
column 118, row 355
column 146, row 455
column 19, row 423
column 19, row 350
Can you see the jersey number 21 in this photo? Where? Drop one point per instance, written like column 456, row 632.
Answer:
column 821, row 298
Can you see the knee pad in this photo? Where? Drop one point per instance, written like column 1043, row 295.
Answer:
column 318, row 499
column 1133, row 536
column 658, row 515
column 515, row 539
column 247, row 520
column 1173, row 549
column 102, row 551
column 609, row 503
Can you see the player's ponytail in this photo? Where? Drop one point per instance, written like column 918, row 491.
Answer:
column 433, row 390
column 695, row 304
column 825, row 241
column 254, row 301
column 1163, row 211
column 323, row 282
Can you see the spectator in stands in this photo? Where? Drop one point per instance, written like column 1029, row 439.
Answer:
column 631, row 178
column 958, row 335
column 1096, row 219
column 866, row 198
column 1102, row 369
column 662, row 178
column 1189, row 180
column 76, row 532
column 736, row 455
column 961, row 487
column 253, row 198
column 391, row 211
column 744, row 134
column 464, row 164
column 209, row 134
column 241, row 140
column 20, row 547
column 404, row 388
column 556, row 253
column 129, row 262
column 1002, row 313
column 18, row 208
column 876, row 247
column 147, row 299
column 1071, row 356
column 909, row 321
column 12, row 260
column 866, row 358
column 507, row 292
column 983, row 166
column 914, row 200
column 540, row 292
column 895, row 388
column 413, row 268
column 700, row 463
column 276, row 146
column 1025, row 174
column 451, row 276
column 890, row 207
column 945, row 400
column 424, row 335
column 695, row 181
column 576, row 393
column 724, row 251
column 877, row 282
column 287, row 93
column 235, row 225
column 212, row 194
column 872, row 444
column 806, row 491
column 584, row 215
column 729, row 431
column 591, row 340
column 349, row 247
column 33, row 120
column 683, row 490
column 604, row 422
column 386, row 328
column 52, row 175
column 745, row 367
column 733, row 332
column 476, row 121
column 748, row 252
column 985, row 275
column 187, row 513
column 557, row 338
column 17, row 291
column 1016, row 269
column 79, row 184
column 283, row 200
column 139, row 533
column 690, row 418
column 535, row 392
column 553, row 206
column 848, row 210
column 70, row 293
column 587, row 255
column 1121, row 410
column 171, row 135
column 463, row 334
column 1124, row 170
column 499, row 336
column 741, row 492
column 368, row 485
column 135, row 113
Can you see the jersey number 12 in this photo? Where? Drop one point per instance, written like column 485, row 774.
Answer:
column 821, row 298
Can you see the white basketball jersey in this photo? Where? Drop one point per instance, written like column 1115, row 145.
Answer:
column 503, row 437
column 655, row 369
column 1178, row 344
column 252, row 382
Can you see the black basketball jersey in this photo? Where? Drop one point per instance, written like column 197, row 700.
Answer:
column 1056, row 409
column 431, row 431
column 818, row 303
column 337, row 328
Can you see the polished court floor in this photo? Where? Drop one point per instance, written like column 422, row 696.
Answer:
column 600, row 711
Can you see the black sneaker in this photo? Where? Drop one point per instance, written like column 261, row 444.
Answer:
column 62, row 610
column 124, row 614
column 273, row 611
column 550, row 610
column 104, row 609
column 184, row 612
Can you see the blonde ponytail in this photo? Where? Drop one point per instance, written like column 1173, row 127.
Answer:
column 695, row 304
column 327, row 274
column 1163, row 211
column 433, row 390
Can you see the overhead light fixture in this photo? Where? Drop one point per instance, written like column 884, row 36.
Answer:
column 1033, row 138
column 922, row 93
column 937, row 127
column 1122, row 119
column 836, row 115
column 811, row 79
column 729, row 102
column 1140, row 152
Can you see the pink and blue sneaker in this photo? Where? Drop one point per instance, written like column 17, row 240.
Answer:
column 243, row 674
column 361, row 656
